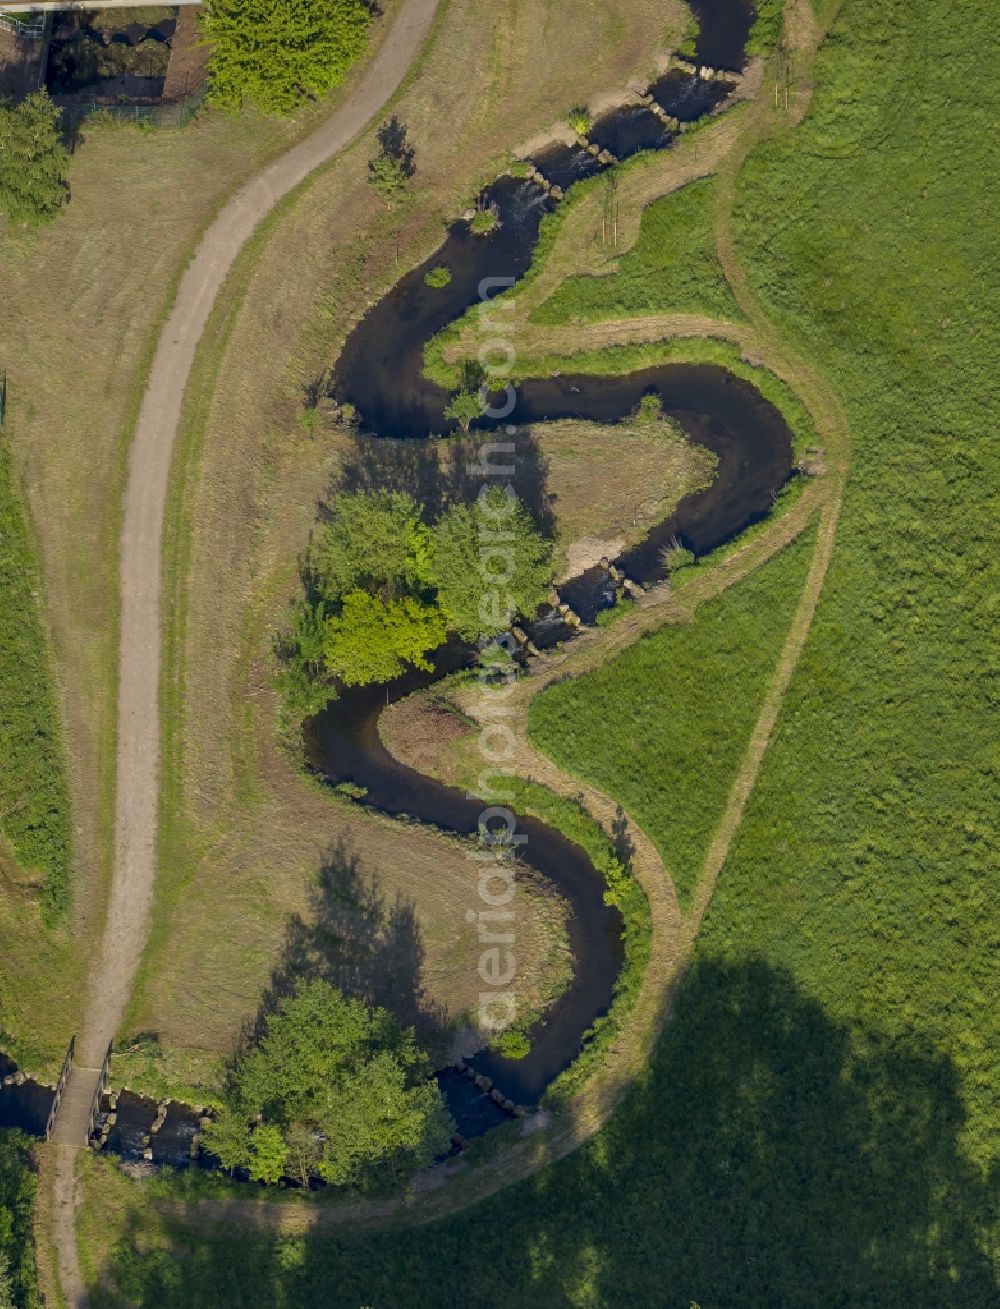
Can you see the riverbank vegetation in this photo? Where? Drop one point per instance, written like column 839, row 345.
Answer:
column 621, row 890
column 672, row 268
column 382, row 588
column 332, row 1089
column 818, row 1121
column 673, row 712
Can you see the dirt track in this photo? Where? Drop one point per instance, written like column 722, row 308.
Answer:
column 137, row 796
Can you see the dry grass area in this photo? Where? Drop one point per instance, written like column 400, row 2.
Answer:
column 613, row 483
column 244, row 834
column 82, row 300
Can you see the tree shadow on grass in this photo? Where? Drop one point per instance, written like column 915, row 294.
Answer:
column 437, row 472
column 770, row 1158
column 359, row 941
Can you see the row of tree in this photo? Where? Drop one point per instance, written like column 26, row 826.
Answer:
column 383, row 588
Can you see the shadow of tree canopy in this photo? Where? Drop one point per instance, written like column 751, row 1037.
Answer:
column 768, row 1157
column 436, row 472
column 358, row 941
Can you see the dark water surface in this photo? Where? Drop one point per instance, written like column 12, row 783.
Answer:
column 624, row 132
column 343, row 744
column 26, row 1106
column 725, row 26
column 686, row 96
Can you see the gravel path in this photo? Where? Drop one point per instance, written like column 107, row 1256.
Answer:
column 137, row 797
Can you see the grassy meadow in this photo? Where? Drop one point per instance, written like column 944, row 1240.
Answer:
column 674, row 712
column 817, row 1127
column 672, row 268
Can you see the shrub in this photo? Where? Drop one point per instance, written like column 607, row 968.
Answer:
column 392, row 169
column 278, row 56
column 438, row 277
column 33, row 161
column 580, row 120
column 485, row 220
column 34, row 795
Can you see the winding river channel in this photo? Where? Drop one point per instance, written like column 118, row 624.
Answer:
column 380, row 373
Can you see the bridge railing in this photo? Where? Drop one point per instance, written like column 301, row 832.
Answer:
column 95, row 1104
column 60, row 1086
column 29, row 26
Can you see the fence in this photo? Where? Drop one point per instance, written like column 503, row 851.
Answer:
column 159, row 115
column 60, row 1087
column 30, row 26
column 95, row 1104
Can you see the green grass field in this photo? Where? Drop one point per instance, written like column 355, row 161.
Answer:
column 672, row 268
column 34, row 798
column 674, row 712
column 817, row 1128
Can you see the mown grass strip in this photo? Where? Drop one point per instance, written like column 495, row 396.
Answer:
column 672, row 268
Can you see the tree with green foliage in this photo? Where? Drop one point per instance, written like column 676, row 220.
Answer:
column 373, row 640
column 276, row 56
column 368, row 608
column 18, row 1185
column 268, row 1154
column 392, row 168
column 472, row 569
column 464, row 408
column 6, row 1285
column 33, row 160
column 333, row 1089
column 382, row 589
column 388, row 178
column 375, row 541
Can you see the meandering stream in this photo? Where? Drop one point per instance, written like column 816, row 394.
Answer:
column 380, row 373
